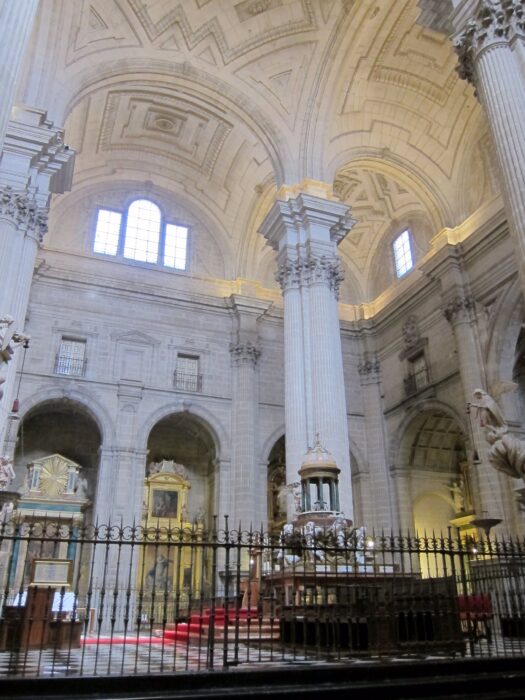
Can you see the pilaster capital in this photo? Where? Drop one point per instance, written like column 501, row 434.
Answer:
column 244, row 353
column 369, row 369
column 23, row 211
column 494, row 22
column 459, row 310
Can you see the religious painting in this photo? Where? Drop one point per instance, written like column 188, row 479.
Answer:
column 165, row 504
column 159, row 569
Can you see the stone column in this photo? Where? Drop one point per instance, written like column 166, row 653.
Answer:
column 35, row 164
column 16, row 21
column 490, row 50
column 305, row 229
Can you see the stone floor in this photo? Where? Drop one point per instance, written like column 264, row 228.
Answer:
column 155, row 657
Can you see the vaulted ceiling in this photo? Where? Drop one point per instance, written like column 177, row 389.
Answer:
column 217, row 103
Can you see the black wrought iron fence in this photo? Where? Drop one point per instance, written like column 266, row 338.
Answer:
column 124, row 600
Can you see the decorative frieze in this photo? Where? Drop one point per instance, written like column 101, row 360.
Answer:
column 459, row 309
column 495, row 21
column 244, row 353
column 310, row 270
column 23, row 211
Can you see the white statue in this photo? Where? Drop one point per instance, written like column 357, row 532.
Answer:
column 506, row 453
column 7, row 473
column 82, row 487
column 311, row 534
column 488, row 411
column 6, row 511
column 9, row 341
column 360, row 545
column 338, row 528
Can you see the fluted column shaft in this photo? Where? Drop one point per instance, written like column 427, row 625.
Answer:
column 16, row 21
column 295, row 402
column 305, row 230
column 491, row 57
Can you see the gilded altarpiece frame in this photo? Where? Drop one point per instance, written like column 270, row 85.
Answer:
column 175, row 568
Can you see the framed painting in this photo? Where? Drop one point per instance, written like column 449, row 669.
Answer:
column 164, row 504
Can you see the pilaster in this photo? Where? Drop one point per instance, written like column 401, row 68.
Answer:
column 249, row 504
column 378, row 514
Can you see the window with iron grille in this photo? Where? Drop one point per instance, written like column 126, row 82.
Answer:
column 71, row 358
column 187, row 377
column 418, row 377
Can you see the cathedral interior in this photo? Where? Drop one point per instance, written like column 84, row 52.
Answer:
column 232, row 228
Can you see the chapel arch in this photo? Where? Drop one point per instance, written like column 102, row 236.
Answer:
column 185, row 439
column 276, row 483
column 59, row 426
column 435, row 481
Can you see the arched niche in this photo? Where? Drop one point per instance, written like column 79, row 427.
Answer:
column 59, row 426
column 186, row 440
column 276, row 486
column 433, row 455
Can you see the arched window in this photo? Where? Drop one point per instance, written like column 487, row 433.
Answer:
column 141, row 234
column 141, row 238
column 403, row 259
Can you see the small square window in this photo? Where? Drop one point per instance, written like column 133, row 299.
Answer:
column 187, row 377
column 71, row 358
column 403, row 254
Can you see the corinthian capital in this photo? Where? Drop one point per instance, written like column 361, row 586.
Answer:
column 23, row 211
column 311, row 269
column 324, row 270
column 244, row 353
column 494, row 22
column 289, row 274
column 458, row 310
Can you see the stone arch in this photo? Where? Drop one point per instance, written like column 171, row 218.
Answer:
column 93, row 408
column 207, row 418
column 269, row 443
column 403, row 172
column 506, row 317
column 161, row 193
column 166, row 74
column 411, row 422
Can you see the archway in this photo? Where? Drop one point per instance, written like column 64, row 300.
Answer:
column 276, row 486
column 433, row 456
column 59, row 426
column 185, row 439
